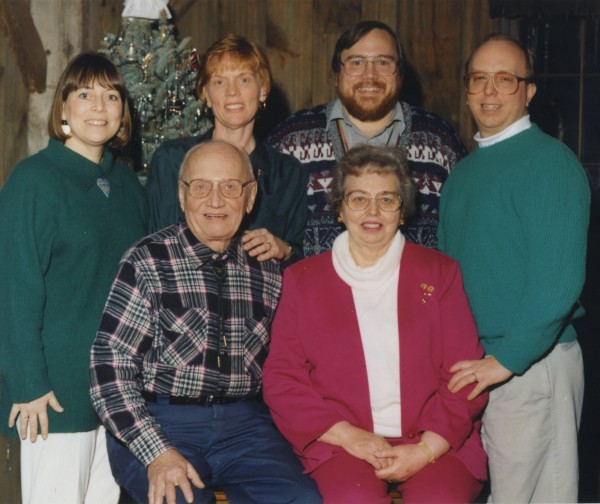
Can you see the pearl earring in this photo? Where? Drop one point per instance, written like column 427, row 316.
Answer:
column 66, row 129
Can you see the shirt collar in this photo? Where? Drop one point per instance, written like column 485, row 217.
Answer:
column 81, row 170
column 200, row 254
column 337, row 111
column 512, row 130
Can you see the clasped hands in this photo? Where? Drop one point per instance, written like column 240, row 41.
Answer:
column 392, row 463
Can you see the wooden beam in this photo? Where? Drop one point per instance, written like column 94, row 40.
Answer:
column 179, row 7
column 23, row 38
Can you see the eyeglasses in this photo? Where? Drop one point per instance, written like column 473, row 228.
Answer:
column 383, row 65
column 504, row 82
column 229, row 188
column 386, row 201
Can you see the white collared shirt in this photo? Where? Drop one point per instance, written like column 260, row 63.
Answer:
column 516, row 127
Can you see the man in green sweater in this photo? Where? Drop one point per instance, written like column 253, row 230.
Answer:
column 514, row 214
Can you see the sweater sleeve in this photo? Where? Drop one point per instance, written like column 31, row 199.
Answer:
column 553, row 198
column 28, row 223
column 296, row 207
column 162, row 188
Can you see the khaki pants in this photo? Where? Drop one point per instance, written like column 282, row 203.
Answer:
column 530, row 431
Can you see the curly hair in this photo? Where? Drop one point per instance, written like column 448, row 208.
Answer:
column 374, row 159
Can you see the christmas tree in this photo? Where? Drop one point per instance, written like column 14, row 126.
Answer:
column 160, row 73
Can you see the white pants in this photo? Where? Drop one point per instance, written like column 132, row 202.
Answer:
column 68, row 468
column 530, row 431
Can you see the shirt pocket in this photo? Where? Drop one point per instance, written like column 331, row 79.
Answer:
column 256, row 344
column 183, row 336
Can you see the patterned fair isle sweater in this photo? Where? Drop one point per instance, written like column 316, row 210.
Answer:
column 432, row 146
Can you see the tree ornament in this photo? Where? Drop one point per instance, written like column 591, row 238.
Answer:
column 160, row 73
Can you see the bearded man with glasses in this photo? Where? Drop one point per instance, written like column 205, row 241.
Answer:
column 177, row 362
column 514, row 214
column 369, row 66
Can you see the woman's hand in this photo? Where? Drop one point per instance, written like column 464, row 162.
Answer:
column 263, row 245
column 32, row 414
column 483, row 372
column 403, row 462
column 358, row 443
column 407, row 460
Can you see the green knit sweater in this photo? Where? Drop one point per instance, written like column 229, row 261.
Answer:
column 515, row 216
column 61, row 240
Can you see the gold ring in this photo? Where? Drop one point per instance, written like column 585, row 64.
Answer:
column 475, row 377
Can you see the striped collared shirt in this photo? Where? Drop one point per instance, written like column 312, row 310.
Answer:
column 170, row 327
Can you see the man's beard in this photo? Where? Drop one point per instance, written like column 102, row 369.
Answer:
column 374, row 111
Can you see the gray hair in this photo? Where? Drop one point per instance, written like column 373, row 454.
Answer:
column 374, row 159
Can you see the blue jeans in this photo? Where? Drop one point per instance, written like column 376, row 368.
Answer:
column 234, row 447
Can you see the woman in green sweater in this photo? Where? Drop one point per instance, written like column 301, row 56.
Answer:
column 67, row 214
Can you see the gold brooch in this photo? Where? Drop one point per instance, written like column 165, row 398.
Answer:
column 427, row 292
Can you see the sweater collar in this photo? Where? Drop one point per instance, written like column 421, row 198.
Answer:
column 372, row 277
column 81, row 170
column 510, row 131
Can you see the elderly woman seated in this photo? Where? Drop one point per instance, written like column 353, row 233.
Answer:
column 362, row 345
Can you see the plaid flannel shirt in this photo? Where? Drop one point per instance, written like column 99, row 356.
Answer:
column 161, row 332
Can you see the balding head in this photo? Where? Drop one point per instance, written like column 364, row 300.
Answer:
column 214, row 213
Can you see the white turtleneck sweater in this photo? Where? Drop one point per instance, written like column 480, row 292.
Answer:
column 375, row 293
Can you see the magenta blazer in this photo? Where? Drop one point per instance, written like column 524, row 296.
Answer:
column 315, row 374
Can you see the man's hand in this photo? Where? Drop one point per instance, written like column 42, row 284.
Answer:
column 167, row 472
column 263, row 245
column 34, row 414
column 484, row 372
column 358, row 443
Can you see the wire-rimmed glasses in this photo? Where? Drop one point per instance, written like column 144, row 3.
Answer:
column 387, row 201
column 355, row 66
column 229, row 188
column 504, row 82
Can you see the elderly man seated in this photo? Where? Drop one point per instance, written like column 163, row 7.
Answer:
column 176, row 366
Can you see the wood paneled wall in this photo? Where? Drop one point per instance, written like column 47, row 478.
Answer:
column 14, row 100
column 299, row 36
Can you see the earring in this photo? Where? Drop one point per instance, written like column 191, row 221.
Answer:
column 401, row 221
column 340, row 219
column 262, row 105
column 66, row 129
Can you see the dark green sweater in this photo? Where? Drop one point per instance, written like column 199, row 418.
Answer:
column 61, row 240
column 515, row 216
column 280, row 204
